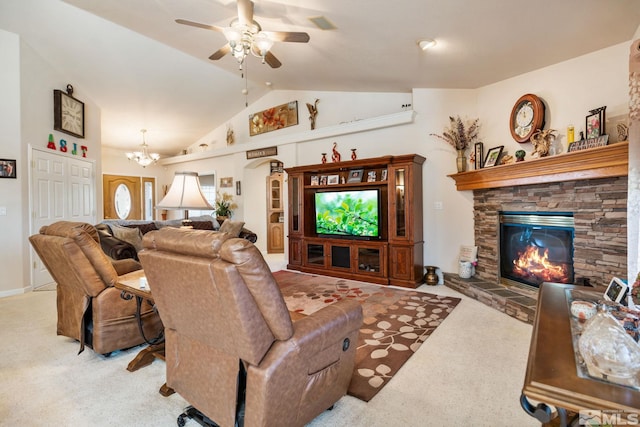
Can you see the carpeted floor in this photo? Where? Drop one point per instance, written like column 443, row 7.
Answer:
column 468, row 374
column 396, row 322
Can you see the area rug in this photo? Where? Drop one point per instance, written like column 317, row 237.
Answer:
column 396, row 322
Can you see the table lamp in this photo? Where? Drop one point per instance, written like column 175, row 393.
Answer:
column 185, row 193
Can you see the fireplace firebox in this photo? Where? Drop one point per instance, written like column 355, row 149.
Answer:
column 536, row 247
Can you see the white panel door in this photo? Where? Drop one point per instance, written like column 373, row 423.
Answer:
column 62, row 189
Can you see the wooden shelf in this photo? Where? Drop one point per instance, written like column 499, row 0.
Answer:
column 604, row 162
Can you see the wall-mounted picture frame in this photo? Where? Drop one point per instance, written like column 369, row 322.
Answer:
column 226, row 182
column 238, row 188
column 8, row 168
column 492, row 156
column 333, row 179
column 274, row 118
column 479, row 153
column 355, row 175
column 594, row 123
column 371, row 176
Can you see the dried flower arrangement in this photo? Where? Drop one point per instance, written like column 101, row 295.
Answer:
column 460, row 135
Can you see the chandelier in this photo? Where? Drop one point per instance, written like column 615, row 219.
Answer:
column 247, row 38
column 143, row 158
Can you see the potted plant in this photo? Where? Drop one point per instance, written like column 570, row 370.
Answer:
column 461, row 136
column 224, row 206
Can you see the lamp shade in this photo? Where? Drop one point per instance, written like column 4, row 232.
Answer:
column 185, row 193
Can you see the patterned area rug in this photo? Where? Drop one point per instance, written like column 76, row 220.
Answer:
column 396, row 322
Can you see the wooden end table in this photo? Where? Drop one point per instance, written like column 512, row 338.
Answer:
column 552, row 376
column 129, row 284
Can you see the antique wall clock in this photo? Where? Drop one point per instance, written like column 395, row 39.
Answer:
column 68, row 113
column 527, row 117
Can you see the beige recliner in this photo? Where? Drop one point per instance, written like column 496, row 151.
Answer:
column 232, row 350
column 90, row 309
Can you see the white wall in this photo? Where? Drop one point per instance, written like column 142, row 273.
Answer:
column 13, row 226
column 569, row 89
column 27, row 83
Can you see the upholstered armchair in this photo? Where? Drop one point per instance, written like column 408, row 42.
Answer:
column 90, row 309
column 232, row 350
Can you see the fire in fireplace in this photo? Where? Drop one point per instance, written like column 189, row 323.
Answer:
column 536, row 248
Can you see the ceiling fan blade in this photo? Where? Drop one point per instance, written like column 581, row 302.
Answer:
column 272, row 60
column 245, row 12
column 199, row 25
column 220, row 52
column 288, row 36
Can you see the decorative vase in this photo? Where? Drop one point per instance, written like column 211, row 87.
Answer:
column 353, row 154
column 461, row 161
column 465, row 269
column 431, row 278
column 324, row 157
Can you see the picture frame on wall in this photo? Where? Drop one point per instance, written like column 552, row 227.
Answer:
column 479, row 154
column 226, row 182
column 493, row 156
column 594, row 123
column 8, row 168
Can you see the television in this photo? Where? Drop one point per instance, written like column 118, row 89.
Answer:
column 348, row 213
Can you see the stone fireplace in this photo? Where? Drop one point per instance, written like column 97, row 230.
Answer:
column 599, row 210
column 589, row 186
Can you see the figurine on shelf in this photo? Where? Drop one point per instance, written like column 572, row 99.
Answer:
column 520, row 155
column 541, row 141
column 324, row 157
column 353, row 154
column 335, row 156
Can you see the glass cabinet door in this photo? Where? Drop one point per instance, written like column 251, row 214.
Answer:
column 294, row 182
column 400, row 204
column 275, row 194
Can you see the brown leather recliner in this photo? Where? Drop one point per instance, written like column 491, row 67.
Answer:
column 90, row 309
column 232, row 350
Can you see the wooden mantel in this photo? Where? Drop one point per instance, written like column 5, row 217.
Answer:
column 604, row 162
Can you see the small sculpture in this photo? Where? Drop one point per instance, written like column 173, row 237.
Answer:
column 506, row 159
column 324, row 158
column 353, row 154
column 541, row 141
column 623, row 132
column 335, row 156
column 313, row 112
column 520, row 155
column 230, row 136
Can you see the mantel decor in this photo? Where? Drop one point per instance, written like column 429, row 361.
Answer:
column 461, row 136
column 68, row 113
column 602, row 162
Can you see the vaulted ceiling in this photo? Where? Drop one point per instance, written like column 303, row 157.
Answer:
column 146, row 71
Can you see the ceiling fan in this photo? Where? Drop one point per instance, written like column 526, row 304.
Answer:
column 245, row 36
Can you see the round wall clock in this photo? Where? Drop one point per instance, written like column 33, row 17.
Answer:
column 527, row 117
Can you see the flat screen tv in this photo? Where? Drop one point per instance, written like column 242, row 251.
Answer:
column 348, row 213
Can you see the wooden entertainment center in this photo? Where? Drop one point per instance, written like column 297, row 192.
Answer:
column 395, row 257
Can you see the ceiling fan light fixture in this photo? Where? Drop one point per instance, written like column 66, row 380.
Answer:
column 426, row 44
column 263, row 43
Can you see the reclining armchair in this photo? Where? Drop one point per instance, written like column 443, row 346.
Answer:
column 232, row 350
column 90, row 309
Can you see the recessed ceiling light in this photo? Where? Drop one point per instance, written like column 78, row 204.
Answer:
column 426, row 44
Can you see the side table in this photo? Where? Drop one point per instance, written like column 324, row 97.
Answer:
column 552, row 376
column 129, row 284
